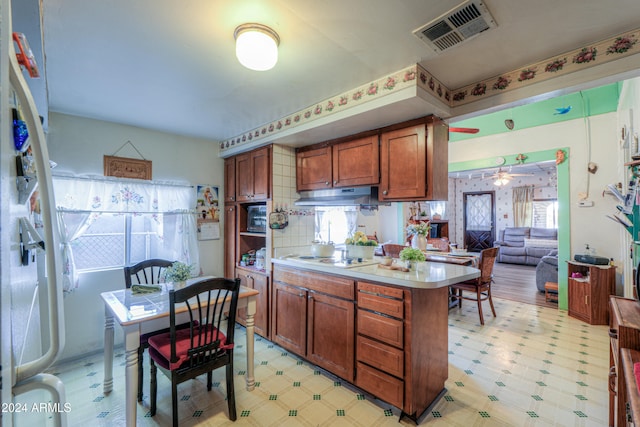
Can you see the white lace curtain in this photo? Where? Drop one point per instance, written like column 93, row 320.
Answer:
column 80, row 202
column 523, row 206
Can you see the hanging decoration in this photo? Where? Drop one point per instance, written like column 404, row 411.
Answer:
column 560, row 156
column 521, row 158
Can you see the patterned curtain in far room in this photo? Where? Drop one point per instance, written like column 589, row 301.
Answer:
column 523, row 206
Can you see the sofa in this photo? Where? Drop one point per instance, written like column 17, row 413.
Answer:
column 547, row 270
column 525, row 245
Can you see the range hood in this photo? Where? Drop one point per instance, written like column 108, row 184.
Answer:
column 339, row 197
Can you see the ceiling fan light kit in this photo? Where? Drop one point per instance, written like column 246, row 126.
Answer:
column 256, row 46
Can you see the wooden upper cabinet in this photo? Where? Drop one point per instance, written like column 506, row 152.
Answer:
column 253, row 175
column 414, row 162
column 356, row 162
column 313, row 169
column 344, row 164
column 230, row 180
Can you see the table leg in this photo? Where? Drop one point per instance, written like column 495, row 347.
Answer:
column 108, row 352
column 131, row 344
column 250, row 321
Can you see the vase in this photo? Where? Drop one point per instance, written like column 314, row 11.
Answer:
column 419, row 241
column 181, row 284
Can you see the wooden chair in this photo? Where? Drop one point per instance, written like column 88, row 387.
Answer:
column 481, row 286
column 207, row 344
column 441, row 243
column 392, row 249
column 149, row 271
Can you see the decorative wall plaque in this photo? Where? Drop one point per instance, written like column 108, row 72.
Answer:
column 123, row 167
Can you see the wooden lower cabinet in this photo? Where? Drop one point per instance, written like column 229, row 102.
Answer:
column 392, row 343
column 588, row 296
column 624, row 332
column 402, row 340
column 313, row 324
column 260, row 282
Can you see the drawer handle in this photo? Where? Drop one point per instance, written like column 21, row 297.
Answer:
column 612, row 380
column 613, row 333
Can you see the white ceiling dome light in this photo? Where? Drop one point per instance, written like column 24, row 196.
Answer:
column 256, row 46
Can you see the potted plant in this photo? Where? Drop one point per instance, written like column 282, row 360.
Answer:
column 178, row 273
column 411, row 256
column 419, row 232
column 359, row 246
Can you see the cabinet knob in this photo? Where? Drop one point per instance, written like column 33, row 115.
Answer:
column 301, row 295
column 335, row 182
column 385, row 192
column 326, row 183
column 310, row 296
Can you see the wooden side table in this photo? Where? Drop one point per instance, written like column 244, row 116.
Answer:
column 551, row 292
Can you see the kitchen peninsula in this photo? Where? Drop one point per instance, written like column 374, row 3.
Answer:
column 383, row 330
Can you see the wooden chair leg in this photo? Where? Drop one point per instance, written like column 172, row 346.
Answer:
column 153, row 385
column 459, row 298
column 478, row 295
column 174, row 402
column 209, row 380
column 140, row 372
column 493, row 310
column 231, row 394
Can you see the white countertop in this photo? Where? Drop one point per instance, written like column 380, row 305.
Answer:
column 428, row 275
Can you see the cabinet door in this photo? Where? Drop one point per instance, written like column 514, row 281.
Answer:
column 244, row 177
column 403, row 163
column 288, row 318
column 579, row 299
column 260, row 164
column 230, row 179
column 229, row 240
column 313, row 169
column 261, row 284
column 356, row 162
column 330, row 334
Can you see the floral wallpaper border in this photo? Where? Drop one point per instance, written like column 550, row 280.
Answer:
column 416, row 76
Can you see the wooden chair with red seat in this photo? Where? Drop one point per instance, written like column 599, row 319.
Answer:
column 392, row 250
column 206, row 345
column 441, row 243
column 481, row 286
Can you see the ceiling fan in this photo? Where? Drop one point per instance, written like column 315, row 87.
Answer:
column 501, row 177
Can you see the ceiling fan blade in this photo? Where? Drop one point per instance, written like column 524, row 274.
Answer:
column 464, row 130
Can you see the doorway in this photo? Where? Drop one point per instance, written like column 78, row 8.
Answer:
column 479, row 220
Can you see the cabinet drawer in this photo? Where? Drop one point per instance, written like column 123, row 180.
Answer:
column 380, row 290
column 332, row 285
column 382, row 328
column 388, row 306
column 383, row 386
column 381, row 356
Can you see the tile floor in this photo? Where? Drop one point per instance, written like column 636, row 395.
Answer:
column 530, row 366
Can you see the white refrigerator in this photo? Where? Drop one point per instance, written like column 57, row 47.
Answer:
column 31, row 299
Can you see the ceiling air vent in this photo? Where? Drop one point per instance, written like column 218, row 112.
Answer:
column 456, row 26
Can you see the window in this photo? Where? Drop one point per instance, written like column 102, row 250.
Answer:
column 545, row 213
column 116, row 240
column 336, row 223
column 110, row 223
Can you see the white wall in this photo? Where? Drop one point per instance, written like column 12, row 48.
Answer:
column 77, row 145
column 594, row 139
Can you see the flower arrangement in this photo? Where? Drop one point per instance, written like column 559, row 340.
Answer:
column 412, row 254
column 360, row 239
column 421, row 228
column 178, row 272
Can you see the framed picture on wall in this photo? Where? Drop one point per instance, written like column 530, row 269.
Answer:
column 207, row 212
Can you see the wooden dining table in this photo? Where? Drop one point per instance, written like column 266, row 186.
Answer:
column 141, row 313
